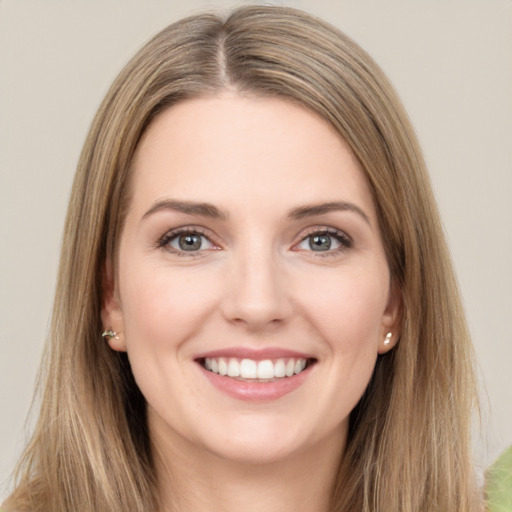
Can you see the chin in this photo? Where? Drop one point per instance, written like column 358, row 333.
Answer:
column 256, row 452
column 256, row 440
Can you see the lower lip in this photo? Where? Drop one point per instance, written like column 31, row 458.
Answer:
column 256, row 391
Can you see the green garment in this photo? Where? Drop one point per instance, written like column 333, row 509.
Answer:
column 499, row 484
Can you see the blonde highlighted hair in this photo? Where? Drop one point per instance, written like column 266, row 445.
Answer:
column 409, row 441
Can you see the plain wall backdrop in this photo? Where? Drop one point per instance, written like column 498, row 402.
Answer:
column 450, row 60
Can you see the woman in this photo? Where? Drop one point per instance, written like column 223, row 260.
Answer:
column 252, row 229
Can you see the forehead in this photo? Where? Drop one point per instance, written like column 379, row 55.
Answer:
column 238, row 148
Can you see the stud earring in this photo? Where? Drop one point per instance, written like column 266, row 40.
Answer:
column 109, row 334
column 387, row 341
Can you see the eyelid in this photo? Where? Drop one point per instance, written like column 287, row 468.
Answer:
column 171, row 234
column 344, row 239
column 341, row 236
column 323, row 228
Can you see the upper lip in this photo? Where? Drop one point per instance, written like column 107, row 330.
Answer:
column 258, row 354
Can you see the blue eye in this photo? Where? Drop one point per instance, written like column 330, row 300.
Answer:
column 186, row 241
column 189, row 242
column 319, row 242
column 325, row 241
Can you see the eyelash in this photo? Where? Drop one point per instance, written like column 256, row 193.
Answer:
column 168, row 237
column 342, row 238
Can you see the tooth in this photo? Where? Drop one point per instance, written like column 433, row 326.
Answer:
column 290, row 367
column 223, row 366
column 233, row 368
column 248, row 369
column 265, row 369
column 280, row 368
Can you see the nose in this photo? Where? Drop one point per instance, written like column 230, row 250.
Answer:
column 257, row 294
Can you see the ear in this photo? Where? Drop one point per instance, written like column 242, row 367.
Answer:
column 111, row 312
column 391, row 320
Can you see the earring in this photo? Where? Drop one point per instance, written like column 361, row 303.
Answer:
column 387, row 341
column 109, row 334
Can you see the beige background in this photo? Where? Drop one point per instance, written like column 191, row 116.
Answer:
column 451, row 62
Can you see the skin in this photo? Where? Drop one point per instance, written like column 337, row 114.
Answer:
column 255, row 282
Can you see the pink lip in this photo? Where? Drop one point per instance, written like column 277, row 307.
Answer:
column 255, row 354
column 255, row 391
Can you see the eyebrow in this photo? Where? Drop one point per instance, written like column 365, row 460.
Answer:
column 187, row 207
column 210, row 211
column 303, row 212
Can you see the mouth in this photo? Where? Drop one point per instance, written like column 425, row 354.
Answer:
column 251, row 370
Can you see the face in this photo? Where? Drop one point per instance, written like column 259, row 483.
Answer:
column 252, row 292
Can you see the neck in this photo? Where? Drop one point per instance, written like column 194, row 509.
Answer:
column 204, row 482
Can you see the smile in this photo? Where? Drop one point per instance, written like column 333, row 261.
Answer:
column 266, row 370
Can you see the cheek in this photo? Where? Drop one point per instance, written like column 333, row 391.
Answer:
column 348, row 309
column 164, row 307
column 162, row 310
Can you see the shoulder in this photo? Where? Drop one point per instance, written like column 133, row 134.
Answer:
column 499, row 484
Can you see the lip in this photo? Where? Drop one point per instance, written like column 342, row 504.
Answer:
column 255, row 354
column 256, row 391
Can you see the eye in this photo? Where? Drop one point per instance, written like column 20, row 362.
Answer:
column 325, row 240
column 186, row 240
column 320, row 242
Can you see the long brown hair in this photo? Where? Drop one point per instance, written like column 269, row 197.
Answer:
column 409, row 443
